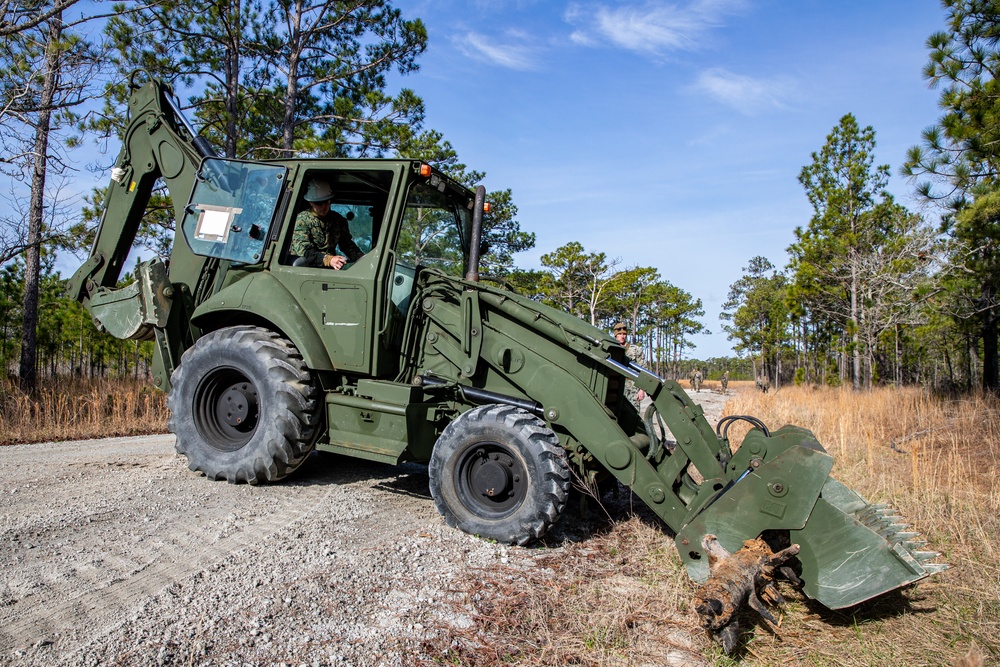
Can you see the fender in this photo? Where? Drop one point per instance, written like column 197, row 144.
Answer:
column 262, row 299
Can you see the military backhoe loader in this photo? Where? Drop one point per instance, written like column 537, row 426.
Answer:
column 406, row 355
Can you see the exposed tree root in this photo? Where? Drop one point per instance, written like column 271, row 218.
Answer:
column 744, row 576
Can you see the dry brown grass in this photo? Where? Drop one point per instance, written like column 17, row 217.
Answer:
column 938, row 461
column 615, row 599
column 79, row 409
column 621, row 597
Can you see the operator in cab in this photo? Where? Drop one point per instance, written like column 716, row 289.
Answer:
column 320, row 230
column 634, row 354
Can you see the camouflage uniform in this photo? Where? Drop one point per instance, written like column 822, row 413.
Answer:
column 634, row 355
column 725, row 382
column 315, row 237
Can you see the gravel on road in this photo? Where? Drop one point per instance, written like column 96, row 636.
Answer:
column 114, row 553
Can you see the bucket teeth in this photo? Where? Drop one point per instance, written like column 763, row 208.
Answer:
column 889, row 523
column 877, row 522
column 925, row 555
column 875, row 511
column 892, row 532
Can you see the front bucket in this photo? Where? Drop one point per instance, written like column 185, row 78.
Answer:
column 852, row 551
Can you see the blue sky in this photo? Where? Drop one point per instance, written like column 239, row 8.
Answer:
column 670, row 133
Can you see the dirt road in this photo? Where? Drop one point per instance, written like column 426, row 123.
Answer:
column 113, row 552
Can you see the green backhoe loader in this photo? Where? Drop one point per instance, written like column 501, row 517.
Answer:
column 406, row 355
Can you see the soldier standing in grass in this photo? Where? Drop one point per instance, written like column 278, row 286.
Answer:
column 725, row 382
column 635, row 355
column 695, row 379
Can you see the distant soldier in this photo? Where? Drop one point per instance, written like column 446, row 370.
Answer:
column 634, row 355
column 725, row 382
column 763, row 384
column 695, row 379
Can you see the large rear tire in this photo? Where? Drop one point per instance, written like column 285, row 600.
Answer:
column 243, row 406
column 500, row 473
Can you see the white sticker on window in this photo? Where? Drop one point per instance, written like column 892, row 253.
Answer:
column 214, row 222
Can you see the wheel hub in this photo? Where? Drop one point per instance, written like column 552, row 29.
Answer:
column 238, row 405
column 226, row 409
column 492, row 479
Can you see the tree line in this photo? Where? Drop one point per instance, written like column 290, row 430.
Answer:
column 661, row 317
column 67, row 342
column 872, row 292
column 266, row 79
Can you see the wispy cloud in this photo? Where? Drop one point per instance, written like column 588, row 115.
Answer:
column 655, row 27
column 513, row 51
column 745, row 93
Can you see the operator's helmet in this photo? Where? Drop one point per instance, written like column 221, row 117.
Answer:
column 619, row 328
column 318, row 190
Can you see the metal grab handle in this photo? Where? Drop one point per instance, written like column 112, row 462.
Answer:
column 387, row 292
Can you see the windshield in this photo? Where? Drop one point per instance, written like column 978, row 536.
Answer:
column 436, row 226
column 231, row 209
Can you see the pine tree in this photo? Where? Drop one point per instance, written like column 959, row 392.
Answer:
column 846, row 191
column 960, row 159
column 756, row 308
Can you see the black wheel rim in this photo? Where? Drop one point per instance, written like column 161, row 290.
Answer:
column 491, row 480
column 226, row 409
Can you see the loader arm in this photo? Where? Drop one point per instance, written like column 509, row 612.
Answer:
column 504, row 348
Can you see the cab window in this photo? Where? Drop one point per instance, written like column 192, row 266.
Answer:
column 435, row 229
column 360, row 196
column 232, row 208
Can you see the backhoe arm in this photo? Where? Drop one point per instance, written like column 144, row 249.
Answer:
column 158, row 143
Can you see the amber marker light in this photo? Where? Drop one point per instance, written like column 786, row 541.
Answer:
column 487, row 207
column 425, row 170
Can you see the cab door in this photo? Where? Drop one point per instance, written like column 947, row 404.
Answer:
column 342, row 305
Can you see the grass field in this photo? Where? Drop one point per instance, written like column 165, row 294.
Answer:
column 621, row 597
column 79, row 409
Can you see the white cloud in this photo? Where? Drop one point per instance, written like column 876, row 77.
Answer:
column 744, row 93
column 655, row 27
column 513, row 51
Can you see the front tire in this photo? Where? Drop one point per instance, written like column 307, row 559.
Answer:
column 243, row 406
column 500, row 473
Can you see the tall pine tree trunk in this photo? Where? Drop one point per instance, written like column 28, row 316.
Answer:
column 855, row 338
column 231, row 63
column 991, row 323
column 991, row 368
column 292, row 87
column 32, row 259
